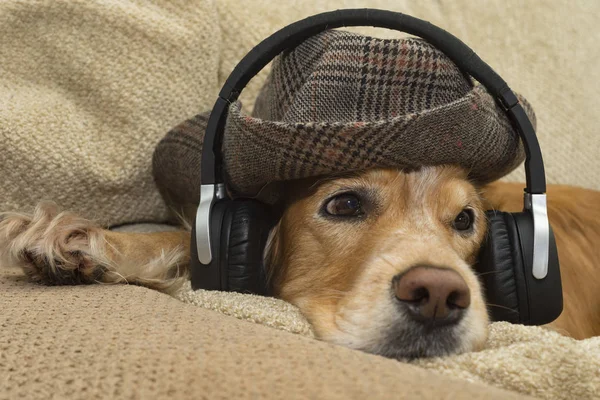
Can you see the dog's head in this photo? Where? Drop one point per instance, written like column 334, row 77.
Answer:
column 381, row 261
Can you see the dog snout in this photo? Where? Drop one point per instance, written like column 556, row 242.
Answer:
column 432, row 295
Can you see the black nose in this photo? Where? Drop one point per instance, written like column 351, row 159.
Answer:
column 432, row 295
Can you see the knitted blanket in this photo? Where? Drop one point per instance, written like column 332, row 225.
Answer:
column 530, row 360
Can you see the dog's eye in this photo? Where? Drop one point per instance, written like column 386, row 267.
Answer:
column 346, row 205
column 464, row 220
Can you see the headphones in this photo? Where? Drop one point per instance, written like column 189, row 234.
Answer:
column 518, row 262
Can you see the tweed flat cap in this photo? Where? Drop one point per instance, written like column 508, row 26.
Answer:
column 342, row 101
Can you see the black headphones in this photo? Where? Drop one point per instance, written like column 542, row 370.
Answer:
column 518, row 263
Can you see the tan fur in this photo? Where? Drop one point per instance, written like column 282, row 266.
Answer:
column 61, row 248
column 337, row 274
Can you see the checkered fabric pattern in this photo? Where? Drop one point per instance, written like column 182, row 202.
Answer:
column 341, row 101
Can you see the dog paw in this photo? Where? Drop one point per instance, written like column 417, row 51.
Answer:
column 52, row 247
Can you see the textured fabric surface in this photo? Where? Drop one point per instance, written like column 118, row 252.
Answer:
column 126, row 342
column 175, row 163
column 342, row 101
column 87, row 88
column 258, row 152
column 530, row 360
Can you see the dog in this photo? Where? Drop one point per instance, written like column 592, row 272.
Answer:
column 380, row 261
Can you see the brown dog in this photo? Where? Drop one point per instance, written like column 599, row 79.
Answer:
column 341, row 253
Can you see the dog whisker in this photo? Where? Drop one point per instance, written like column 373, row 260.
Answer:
column 486, row 273
column 388, row 262
column 333, row 294
column 499, row 306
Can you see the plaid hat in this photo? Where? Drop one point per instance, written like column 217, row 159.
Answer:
column 342, row 101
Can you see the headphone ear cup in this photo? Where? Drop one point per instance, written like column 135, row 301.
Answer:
column 505, row 268
column 211, row 276
column 500, row 268
column 541, row 301
column 244, row 234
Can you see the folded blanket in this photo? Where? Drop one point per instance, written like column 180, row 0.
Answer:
column 530, row 360
column 128, row 342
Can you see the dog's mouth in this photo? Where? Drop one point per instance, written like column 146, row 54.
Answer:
column 404, row 339
column 418, row 341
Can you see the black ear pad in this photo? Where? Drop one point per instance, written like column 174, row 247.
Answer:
column 544, row 296
column 505, row 269
column 244, row 234
column 239, row 233
column 500, row 269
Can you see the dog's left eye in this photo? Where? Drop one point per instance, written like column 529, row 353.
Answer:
column 464, row 220
column 346, row 205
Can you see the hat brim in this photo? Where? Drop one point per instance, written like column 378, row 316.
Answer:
column 472, row 132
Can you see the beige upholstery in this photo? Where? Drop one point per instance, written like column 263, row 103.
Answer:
column 86, row 91
column 88, row 88
column 127, row 342
column 530, row 360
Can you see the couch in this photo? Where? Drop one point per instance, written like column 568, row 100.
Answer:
column 87, row 89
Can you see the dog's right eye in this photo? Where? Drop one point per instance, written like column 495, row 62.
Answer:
column 344, row 205
column 464, row 220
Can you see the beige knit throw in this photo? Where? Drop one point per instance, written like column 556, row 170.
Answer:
column 530, row 360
